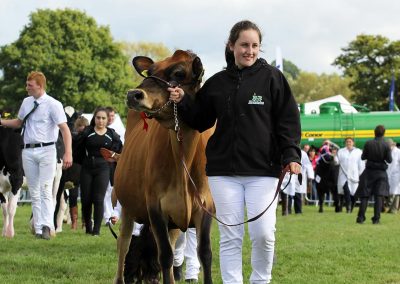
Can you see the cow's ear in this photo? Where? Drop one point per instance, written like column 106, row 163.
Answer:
column 142, row 64
column 198, row 70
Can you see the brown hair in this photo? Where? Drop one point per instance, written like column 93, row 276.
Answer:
column 81, row 121
column 100, row 108
column 38, row 77
column 110, row 109
column 379, row 131
column 234, row 35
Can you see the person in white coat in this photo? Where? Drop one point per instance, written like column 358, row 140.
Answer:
column 119, row 128
column 295, row 190
column 393, row 172
column 350, row 168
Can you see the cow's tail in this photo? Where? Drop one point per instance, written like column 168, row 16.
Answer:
column 141, row 262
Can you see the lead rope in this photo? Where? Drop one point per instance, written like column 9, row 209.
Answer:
column 201, row 203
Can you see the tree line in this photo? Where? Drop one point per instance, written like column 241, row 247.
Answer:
column 85, row 67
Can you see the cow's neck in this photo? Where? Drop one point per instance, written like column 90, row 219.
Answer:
column 187, row 146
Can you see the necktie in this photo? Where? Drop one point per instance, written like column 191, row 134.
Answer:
column 35, row 105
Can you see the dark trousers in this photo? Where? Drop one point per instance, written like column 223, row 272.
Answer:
column 377, row 208
column 297, row 201
column 73, row 197
column 94, row 181
column 349, row 199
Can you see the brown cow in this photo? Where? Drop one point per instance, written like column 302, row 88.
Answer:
column 150, row 180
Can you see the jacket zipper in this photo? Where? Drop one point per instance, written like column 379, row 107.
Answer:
column 234, row 111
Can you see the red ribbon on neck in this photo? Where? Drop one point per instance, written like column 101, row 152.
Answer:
column 144, row 117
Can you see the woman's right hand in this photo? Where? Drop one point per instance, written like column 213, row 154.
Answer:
column 176, row 94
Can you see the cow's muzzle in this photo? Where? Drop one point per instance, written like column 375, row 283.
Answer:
column 134, row 97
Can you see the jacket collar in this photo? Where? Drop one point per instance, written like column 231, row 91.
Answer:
column 233, row 70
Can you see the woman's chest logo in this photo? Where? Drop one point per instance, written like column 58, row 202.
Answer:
column 256, row 100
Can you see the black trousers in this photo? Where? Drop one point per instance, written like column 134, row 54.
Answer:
column 73, row 196
column 349, row 199
column 297, row 201
column 94, row 181
column 377, row 208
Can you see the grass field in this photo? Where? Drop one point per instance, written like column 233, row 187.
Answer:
column 310, row 248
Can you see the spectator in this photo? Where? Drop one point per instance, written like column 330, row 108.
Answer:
column 95, row 172
column 393, row 172
column 108, row 208
column 313, row 157
column 79, row 125
column 374, row 179
column 350, row 169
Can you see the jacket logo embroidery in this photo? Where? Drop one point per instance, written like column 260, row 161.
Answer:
column 256, row 100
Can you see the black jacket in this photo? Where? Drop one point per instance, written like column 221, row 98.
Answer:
column 79, row 153
column 377, row 153
column 258, row 123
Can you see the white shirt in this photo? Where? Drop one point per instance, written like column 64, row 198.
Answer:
column 350, row 169
column 393, row 172
column 117, row 213
column 119, row 128
column 42, row 125
column 307, row 173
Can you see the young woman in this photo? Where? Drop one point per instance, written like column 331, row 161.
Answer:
column 257, row 132
column 95, row 172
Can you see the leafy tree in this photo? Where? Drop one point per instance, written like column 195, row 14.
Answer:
column 370, row 62
column 83, row 66
column 311, row 86
column 289, row 68
column 156, row 51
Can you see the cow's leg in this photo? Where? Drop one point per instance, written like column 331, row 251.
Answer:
column 123, row 243
column 165, row 253
column 61, row 213
column 11, row 208
column 204, row 246
column 5, row 218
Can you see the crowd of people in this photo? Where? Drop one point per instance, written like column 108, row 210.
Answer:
column 352, row 174
column 258, row 132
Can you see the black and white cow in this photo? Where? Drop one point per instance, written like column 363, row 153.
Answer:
column 11, row 176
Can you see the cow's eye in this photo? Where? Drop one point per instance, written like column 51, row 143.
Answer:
column 179, row 75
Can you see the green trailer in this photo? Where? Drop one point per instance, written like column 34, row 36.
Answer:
column 333, row 124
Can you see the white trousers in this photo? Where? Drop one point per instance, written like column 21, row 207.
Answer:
column 108, row 208
column 40, row 166
column 231, row 196
column 186, row 249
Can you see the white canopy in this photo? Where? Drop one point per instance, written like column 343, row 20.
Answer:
column 313, row 107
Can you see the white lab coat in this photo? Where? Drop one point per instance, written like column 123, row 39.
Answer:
column 307, row 173
column 350, row 169
column 393, row 172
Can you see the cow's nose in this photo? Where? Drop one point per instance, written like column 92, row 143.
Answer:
column 136, row 95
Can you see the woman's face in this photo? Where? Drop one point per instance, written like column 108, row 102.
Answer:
column 101, row 119
column 246, row 48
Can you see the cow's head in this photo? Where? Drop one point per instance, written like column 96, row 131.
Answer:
column 183, row 68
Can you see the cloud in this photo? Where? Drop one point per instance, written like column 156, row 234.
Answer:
column 310, row 33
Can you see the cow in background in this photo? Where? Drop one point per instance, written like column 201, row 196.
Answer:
column 71, row 174
column 11, row 176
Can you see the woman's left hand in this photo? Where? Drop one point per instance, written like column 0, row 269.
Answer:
column 295, row 168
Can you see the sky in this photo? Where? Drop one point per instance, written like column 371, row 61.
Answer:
column 309, row 33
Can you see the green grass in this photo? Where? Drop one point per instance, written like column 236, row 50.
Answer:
column 310, row 248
